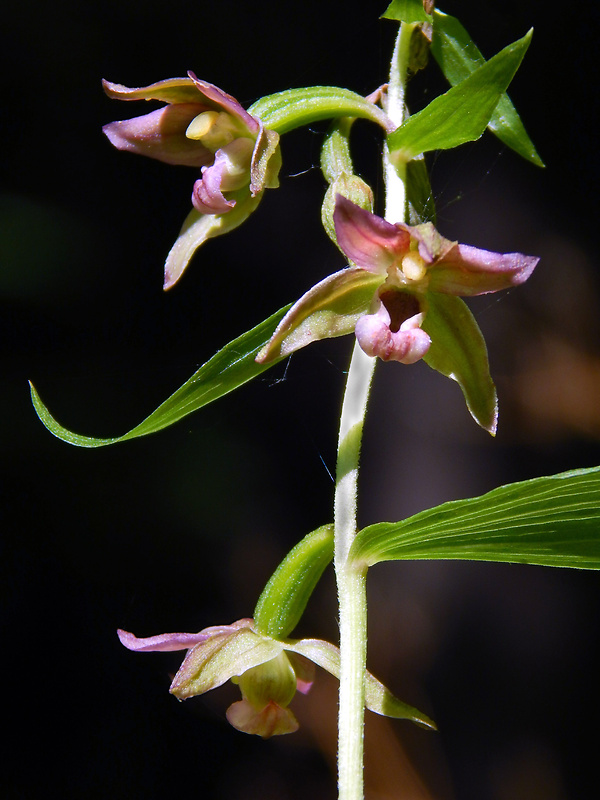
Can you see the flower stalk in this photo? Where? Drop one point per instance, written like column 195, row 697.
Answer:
column 351, row 581
column 395, row 106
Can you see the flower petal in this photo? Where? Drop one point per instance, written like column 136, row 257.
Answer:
column 432, row 245
column 266, row 162
column 164, row 642
column 172, row 90
column 305, row 672
column 217, row 97
column 161, row 135
column 329, row 309
column 467, row 271
column 197, row 228
column 179, row 641
column 272, row 720
column 366, row 239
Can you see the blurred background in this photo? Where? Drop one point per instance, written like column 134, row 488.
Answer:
column 182, row 529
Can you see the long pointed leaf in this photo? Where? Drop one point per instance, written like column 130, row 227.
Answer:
column 552, row 521
column 458, row 57
column 463, row 112
column 231, row 367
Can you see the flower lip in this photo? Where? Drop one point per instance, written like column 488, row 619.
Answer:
column 393, row 332
column 400, row 307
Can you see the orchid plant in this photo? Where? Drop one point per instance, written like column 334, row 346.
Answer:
column 400, row 294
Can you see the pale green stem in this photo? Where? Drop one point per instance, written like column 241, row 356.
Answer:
column 351, row 581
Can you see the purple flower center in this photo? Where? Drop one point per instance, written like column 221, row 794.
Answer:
column 400, row 306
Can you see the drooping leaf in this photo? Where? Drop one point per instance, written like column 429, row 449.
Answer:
column 284, row 111
column 464, row 111
column 458, row 351
column 407, row 11
column 552, row 521
column 287, row 592
column 458, row 57
column 231, row 367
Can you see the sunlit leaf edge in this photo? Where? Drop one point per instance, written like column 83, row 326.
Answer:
column 548, row 521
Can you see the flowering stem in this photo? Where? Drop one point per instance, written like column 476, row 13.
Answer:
column 395, row 172
column 351, row 580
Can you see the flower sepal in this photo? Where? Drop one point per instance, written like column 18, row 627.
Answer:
column 199, row 228
column 331, row 308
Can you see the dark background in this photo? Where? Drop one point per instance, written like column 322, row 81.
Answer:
column 181, row 530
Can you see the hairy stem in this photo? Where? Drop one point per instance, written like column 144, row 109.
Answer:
column 395, row 173
column 351, row 581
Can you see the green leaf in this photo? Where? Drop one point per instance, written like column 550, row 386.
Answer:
column 284, row 111
column 421, row 206
column 458, row 57
column 458, row 351
column 552, row 521
column 463, row 112
column 231, row 367
column 285, row 596
column 407, row 11
column 329, row 309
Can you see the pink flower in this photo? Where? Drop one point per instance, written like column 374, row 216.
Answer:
column 401, row 295
column 268, row 677
column 268, row 672
column 201, row 126
column 414, row 262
